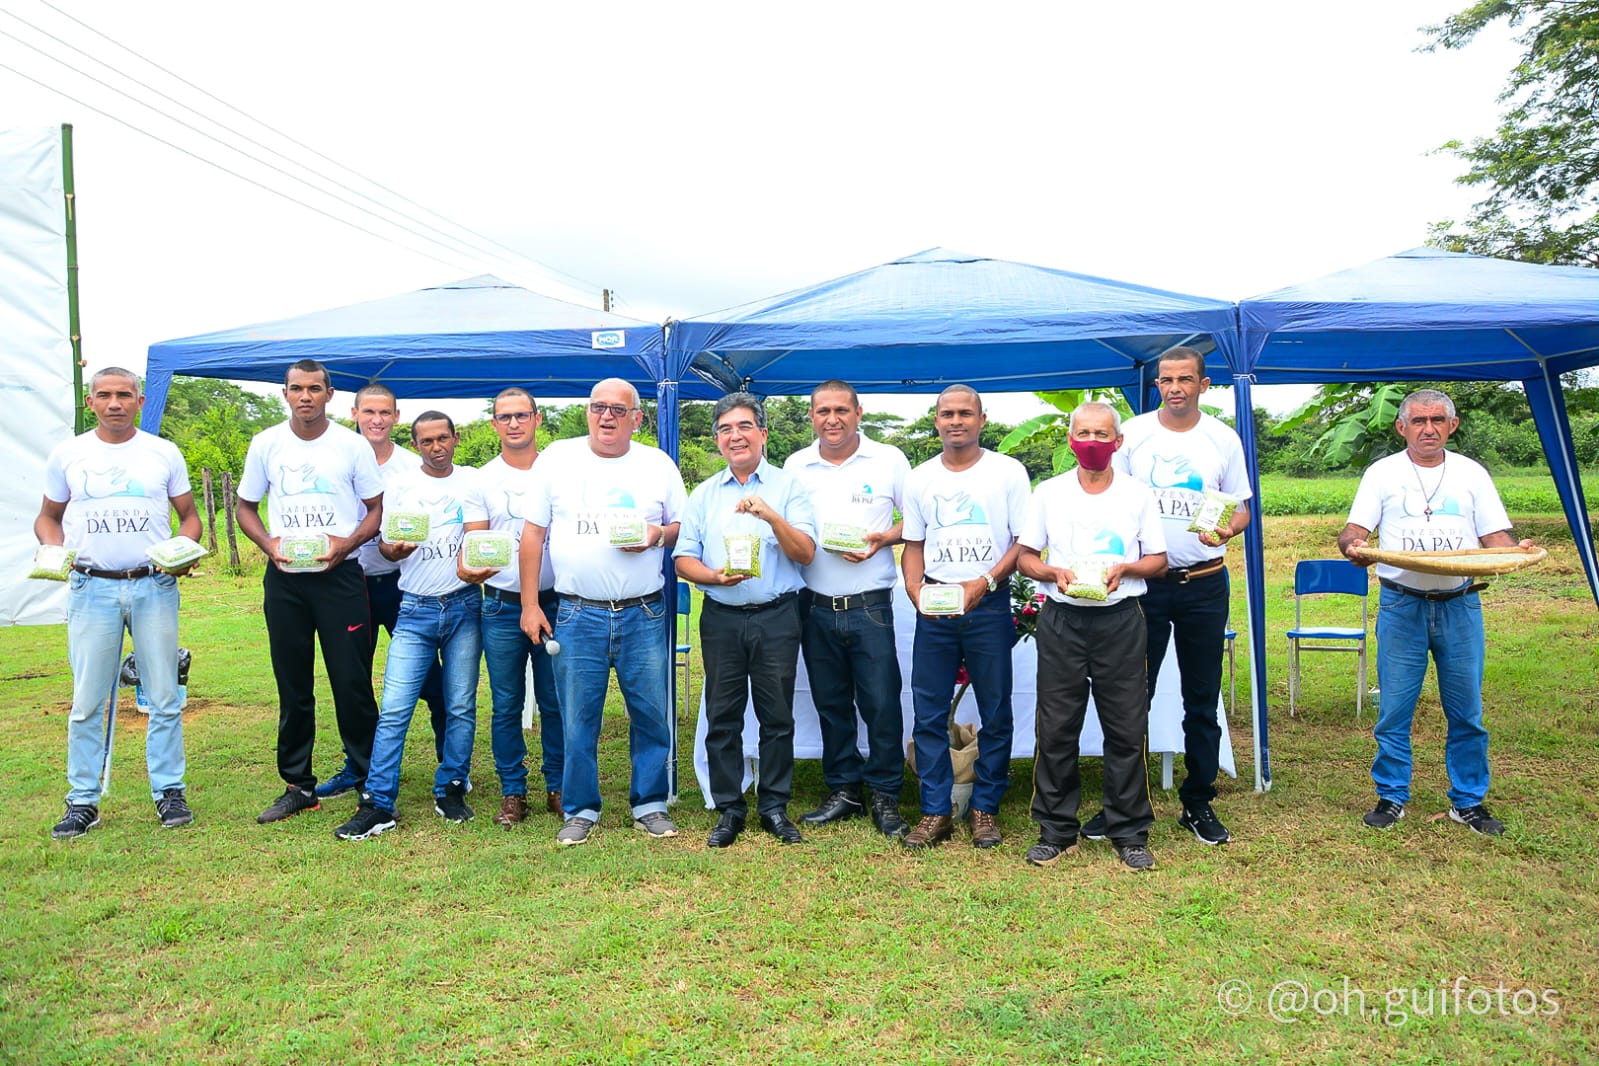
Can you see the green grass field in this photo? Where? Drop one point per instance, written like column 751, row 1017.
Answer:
column 229, row 942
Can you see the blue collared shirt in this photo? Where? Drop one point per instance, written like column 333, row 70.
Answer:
column 709, row 517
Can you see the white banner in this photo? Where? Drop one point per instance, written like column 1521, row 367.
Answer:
column 35, row 357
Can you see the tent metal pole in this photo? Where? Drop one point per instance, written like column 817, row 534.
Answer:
column 74, row 327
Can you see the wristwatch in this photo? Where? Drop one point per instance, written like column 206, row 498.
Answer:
column 988, row 579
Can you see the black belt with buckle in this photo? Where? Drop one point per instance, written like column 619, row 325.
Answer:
column 874, row 598
column 1434, row 597
column 130, row 574
column 503, row 595
column 616, row 605
column 1182, row 575
column 775, row 601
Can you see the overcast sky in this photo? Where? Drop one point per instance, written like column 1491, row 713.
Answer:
column 693, row 156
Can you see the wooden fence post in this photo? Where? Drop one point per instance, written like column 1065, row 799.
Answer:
column 210, row 510
column 228, row 503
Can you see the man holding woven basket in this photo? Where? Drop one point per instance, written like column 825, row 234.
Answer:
column 1428, row 499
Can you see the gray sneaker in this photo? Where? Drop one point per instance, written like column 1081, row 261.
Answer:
column 574, row 831
column 173, row 809
column 1136, row 857
column 1044, row 853
column 656, row 824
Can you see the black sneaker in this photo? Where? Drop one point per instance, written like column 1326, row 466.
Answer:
column 341, row 783
column 1094, row 829
column 1478, row 820
column 1044, row 853
column 452, row 805
column 292, row 802
column 79, row 819
column 369, row 821
column 1136, row 857
column 1385, row 814
column 173, row 809
column 1203, row 823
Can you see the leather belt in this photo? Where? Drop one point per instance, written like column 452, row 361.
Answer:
column 874, row 598
column 775, row 601
column 1182, row 575
column 616, row 605
column 503, row 595
column 130, row 574
column 1434, row 597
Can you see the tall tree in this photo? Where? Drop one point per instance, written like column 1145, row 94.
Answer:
column 1540, row 168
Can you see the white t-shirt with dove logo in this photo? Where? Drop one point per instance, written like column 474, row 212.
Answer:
column 1079, row 530
column 503, row 491
column 1179, row 467
column 968, row 519
column 116, row 496
column 1393, row 499
column 450, row 503
column 316, row 486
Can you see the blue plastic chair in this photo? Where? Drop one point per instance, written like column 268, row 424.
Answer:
column 1327, row 577
column 680, row 632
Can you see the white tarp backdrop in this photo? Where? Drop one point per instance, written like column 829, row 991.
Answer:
column 35, row 357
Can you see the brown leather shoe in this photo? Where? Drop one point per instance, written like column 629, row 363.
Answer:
column 513, row 809
column 552, row 802
column 930, row 832
column 985, row 831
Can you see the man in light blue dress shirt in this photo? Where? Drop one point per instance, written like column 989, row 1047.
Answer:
column 749, row 517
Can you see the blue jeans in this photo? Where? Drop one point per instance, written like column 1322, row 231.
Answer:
column 98, row 610
column 851, row 662
column 507, row 652
column 429, row 626
column 982, row 638
column 1408, row 629
column 633, row 642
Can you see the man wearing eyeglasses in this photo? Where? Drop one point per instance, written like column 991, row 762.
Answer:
column 503, row 484
column 747, row 532
column 607, row 506
column 375, row 413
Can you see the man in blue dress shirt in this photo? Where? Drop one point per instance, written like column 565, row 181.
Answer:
column 746, row 533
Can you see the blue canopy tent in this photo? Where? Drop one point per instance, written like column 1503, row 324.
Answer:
column 1426, row 315
column 939, row 317
column 469, row 338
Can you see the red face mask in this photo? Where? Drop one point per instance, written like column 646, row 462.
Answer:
column 1093, row 454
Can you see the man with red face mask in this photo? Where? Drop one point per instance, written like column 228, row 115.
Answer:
column 1181, row 453
column 1102, row 535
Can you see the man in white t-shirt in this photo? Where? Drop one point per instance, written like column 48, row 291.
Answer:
column 438, row 622
column 1181, row 453
column 106, row 496
column 1427, row 498
column 1093, row 542
column 608, row 506
column 375, row 413
column 503, row 485
column 856, row 485
column 319, row 476
column 962, row 509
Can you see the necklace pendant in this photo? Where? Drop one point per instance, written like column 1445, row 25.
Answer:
column 1427, row 514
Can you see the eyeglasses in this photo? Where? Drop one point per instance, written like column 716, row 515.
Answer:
column 514, row 416
column 745, row 428
column 616, row 410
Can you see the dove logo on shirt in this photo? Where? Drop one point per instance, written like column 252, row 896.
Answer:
column 1089, row 540
column 102, row 484
column 1176, row 473
column 958, row 509
column 448, row 506
column 302, row 481
column 862, row 495
column 619, row 498
column 1415, row 505
column 514, row 506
